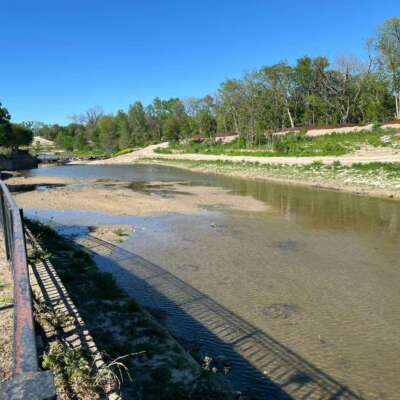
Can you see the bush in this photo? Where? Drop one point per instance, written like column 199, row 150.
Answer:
column 123, row 151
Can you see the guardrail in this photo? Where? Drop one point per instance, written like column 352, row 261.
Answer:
column 28, row 381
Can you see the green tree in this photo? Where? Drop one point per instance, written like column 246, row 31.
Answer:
column 64, row 140
column 20, row 136
column 137, row 123
column 388, row 46
column 206, row 123
column 108, row 133
column 279, row 78
column 5, row 126
column 123, row 131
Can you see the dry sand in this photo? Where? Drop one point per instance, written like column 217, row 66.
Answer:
column 114, row 234
column 118, row 199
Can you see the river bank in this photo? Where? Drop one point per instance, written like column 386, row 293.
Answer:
column 375, row 179
column 370, row 171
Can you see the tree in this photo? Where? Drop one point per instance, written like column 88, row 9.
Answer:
column 206, row 123
column 137, row 123
column 5, row 125
column 108, row 133
column 89, row 118
column 388, row 46
column 344, row 86
column 172, row 129
column 20, row 136
column 279, row 79
column 123, row 131
column 64, row 140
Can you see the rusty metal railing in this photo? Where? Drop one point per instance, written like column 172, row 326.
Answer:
column 28, row 380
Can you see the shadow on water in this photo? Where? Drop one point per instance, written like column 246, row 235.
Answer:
column 262, row 368
column 14, row 188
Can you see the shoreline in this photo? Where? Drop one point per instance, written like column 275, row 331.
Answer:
column 372, row 172
column 257, row 172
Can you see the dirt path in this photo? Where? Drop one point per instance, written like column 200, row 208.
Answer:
column 363, row 156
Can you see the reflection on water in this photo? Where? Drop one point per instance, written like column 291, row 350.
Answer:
column 323, row 209
column 319, row 273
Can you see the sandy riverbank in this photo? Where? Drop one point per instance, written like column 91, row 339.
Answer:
column 125, row 198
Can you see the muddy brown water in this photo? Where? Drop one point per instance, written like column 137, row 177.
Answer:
column 310, row 286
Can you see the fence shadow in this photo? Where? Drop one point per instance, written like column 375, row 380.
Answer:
column 261, row 366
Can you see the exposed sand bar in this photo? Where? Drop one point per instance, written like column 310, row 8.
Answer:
column 119, row 199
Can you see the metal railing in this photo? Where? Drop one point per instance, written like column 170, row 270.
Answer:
column 28, row 380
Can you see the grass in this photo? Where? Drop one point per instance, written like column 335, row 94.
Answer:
column 123, row 151
column 119, row 327
column 293, row 144
column 73, row 375
column 87, row 153
column 120, row 232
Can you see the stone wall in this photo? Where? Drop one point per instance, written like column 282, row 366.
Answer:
column 17, row 162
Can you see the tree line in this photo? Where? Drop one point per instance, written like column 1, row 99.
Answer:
column 12, row 135
column 313, row 91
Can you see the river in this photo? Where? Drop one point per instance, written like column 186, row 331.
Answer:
column 303, row 298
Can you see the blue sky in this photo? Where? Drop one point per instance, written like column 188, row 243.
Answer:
column 62, row 57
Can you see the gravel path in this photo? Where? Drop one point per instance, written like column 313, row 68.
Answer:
column 364, row 156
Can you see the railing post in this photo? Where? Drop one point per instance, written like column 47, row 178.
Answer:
column 4, row 223
column 28, row 381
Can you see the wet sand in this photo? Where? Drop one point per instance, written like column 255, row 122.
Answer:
column 119, row 199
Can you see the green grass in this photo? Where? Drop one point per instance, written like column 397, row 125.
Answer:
column 123, row 151
column 391, row 168
column 88, row 153
column 293, row 144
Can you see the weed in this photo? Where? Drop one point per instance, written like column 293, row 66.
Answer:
column 317, row 164
column 73, row 375
column 36, row 255
column 6, row 299
column 120, row 232
column 76, row 378
column 46, row 314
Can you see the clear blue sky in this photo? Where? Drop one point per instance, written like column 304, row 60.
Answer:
column 60, row 57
